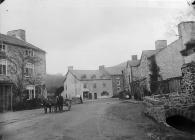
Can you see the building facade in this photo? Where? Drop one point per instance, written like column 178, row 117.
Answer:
column 116, row 73
column 168, row 58
column 22, row 65
column 88, row 84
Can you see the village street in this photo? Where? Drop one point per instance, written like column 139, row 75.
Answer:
column 108, row 119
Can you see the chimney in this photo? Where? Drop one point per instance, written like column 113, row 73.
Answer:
column 186, row 32
column 160, row 44
column 70, row 68
column 101, row 67
column 134, row 57
column 19, row 34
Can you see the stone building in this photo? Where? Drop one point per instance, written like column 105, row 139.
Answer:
column 93, row 84
column 116, row 73
column 168, row 58
column 187, row 34
column 131, row 72
column 16, row 53
column 88, row 84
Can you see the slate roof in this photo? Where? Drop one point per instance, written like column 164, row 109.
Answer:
column 117, row 69
column 90, row 74
column 15, row 41
column 149, row 53
column 133, row 62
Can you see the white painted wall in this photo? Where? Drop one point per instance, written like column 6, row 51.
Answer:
column 72, row 87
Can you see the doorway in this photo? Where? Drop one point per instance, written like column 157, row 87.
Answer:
column 95, row 95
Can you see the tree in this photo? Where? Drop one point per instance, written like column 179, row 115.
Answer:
column 187, row 14
column 154, row 76
column 59, row 91
column 17, row 68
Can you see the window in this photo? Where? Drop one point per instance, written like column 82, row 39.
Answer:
column 104, row 93
column 94, row 85
column 104, row 84
column 30, row 92
column 85, row 86
column 2, row 47
column 84, row 76
column 118, row 82
column 3, row 67
column 29, row 53
column 93, row 76
column 29, row 69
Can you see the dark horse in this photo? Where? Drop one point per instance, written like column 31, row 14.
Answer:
column 55, row 103
column 50, row 103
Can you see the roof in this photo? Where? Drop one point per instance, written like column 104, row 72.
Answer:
column 15, row 41
column 117, row 69
column 149, row 53
column 133, row 62
column 90, row 74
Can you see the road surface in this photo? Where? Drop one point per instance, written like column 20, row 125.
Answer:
column 108, row 119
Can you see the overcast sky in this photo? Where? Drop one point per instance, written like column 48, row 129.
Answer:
column 89, row 33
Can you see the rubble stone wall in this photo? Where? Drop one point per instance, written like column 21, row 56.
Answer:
column 188, row 80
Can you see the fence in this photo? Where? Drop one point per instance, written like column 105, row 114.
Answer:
column 139, row 89
column 169, row 85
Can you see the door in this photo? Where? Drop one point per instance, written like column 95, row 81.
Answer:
column 90, row 95
column 95, row 95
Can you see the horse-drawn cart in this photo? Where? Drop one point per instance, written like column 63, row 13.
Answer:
column 56, row 103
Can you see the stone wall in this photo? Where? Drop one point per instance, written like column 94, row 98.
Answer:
column 161, row 106
column 188, row 80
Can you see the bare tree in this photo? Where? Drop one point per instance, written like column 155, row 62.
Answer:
column 187, row 14
column 18, row 62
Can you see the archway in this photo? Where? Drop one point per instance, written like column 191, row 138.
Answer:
column 181, row 123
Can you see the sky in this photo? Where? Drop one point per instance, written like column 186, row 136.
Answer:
column 88, row 33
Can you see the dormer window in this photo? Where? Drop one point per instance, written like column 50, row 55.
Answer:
column 93, row 76
column 2, row 47
column 29, row 52
column 84, row 76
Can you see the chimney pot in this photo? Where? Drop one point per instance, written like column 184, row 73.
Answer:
column 134, row 57
column 101, row 67
column 186, row 32
column 70, row 68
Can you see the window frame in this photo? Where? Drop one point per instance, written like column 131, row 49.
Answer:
column 118, row 89
column 5, row 64
column 31, row 92
column 118, row 83
column 1, row 47
column 29, row 67
column 29, row 52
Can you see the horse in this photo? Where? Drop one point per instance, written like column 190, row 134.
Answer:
column 50, row 103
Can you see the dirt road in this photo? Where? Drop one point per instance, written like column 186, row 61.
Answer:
column 99, row 120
